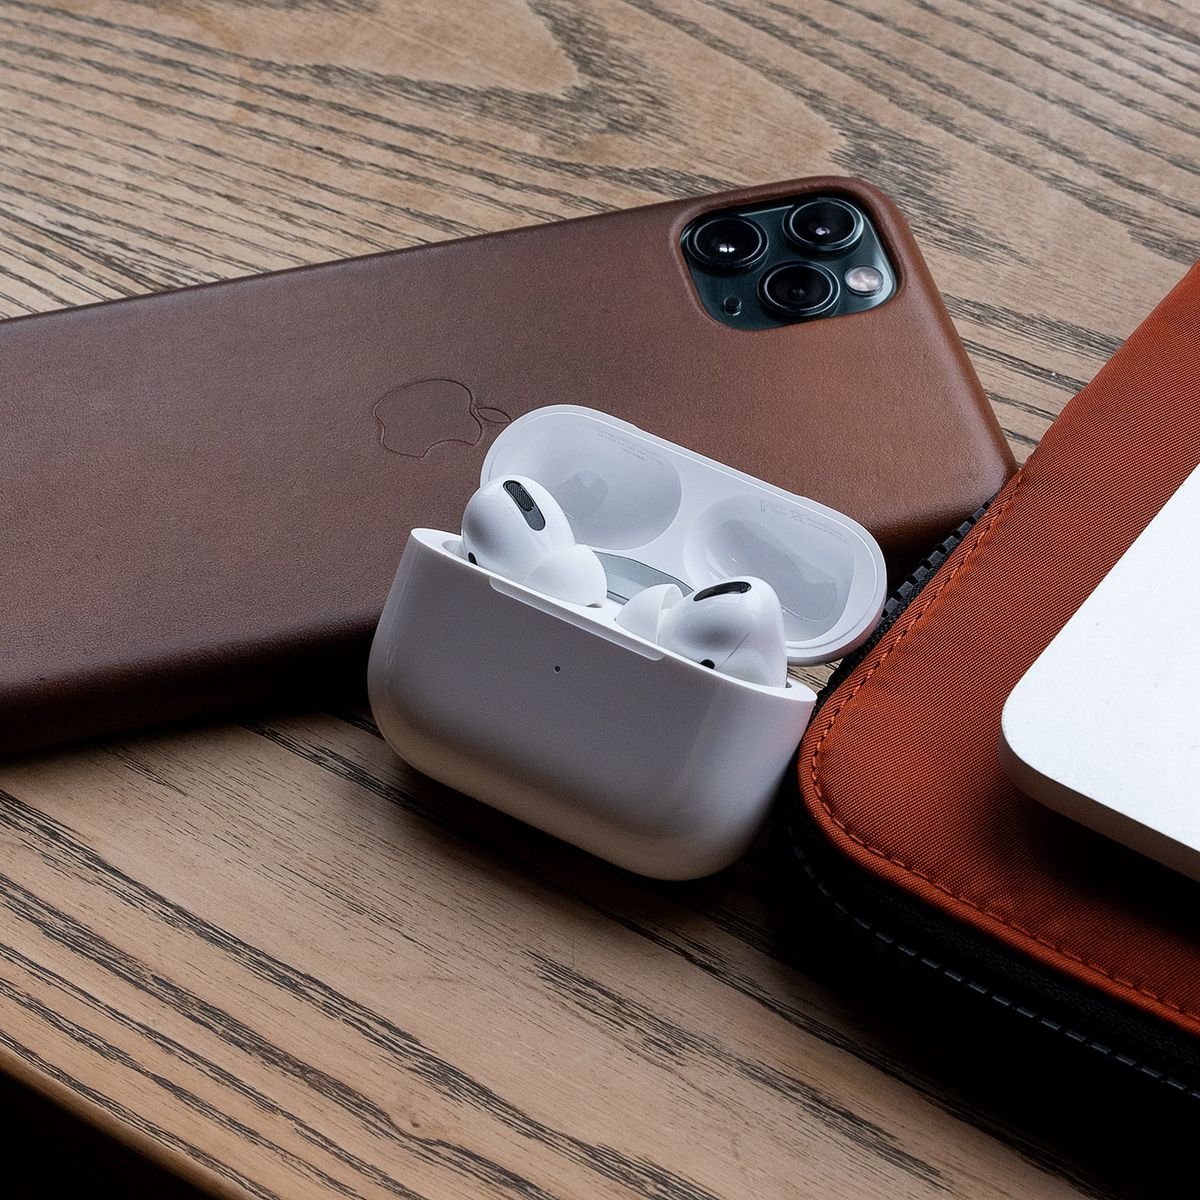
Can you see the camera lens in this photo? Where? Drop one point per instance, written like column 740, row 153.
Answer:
column 799, row 289
column 728, row 243
column 824, row 225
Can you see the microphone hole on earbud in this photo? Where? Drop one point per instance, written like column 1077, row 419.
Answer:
column 708, row 662
column 557, row 669
column 471, row 559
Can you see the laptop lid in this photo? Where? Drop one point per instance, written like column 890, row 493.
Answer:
column 1105, row 726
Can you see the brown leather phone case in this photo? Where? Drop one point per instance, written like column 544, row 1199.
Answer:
column 205, row 493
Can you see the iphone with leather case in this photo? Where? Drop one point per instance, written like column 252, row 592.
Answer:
column 205, row 493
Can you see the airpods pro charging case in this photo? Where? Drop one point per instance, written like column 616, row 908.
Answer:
column 557, row 715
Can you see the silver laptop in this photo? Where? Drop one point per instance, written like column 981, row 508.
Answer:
column 1105, row 726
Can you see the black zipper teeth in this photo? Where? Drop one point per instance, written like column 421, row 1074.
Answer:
column 888, row 945
column 891, row 946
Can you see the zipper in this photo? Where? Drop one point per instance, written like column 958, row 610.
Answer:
column 899, row 931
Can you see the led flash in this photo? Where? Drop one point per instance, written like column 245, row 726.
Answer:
column 864, row 281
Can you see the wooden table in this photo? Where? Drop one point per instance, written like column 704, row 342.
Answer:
column 269, row 956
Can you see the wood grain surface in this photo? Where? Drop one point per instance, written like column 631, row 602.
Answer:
column 266, row 953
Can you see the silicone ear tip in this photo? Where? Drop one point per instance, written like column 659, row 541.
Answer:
column 573, row 574
column 642, row 613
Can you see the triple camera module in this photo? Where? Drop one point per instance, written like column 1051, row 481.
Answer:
column 787, row 261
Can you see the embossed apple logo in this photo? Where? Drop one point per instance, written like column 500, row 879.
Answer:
column 417, row 416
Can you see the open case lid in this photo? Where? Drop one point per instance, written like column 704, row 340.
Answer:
column 631, row 494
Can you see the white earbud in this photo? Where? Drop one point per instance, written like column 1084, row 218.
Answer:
column 515, row 527
column 643, row 613
column 735, row 627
